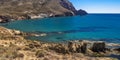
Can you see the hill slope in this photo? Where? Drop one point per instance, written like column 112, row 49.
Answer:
column 21, row 9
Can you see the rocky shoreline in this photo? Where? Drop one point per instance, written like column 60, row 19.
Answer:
column 5, row 18
column 14, row 46
column 29, row 9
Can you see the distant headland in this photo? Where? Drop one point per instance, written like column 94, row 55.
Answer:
column 30, row 9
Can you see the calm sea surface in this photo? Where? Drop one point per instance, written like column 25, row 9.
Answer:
column 103, row 27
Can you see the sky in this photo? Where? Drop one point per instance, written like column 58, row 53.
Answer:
column 98, row 6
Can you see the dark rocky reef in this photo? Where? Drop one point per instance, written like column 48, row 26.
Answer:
column 81, row 12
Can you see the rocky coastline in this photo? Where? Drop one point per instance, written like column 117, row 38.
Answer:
column 13, row 45
column 29, row 9
column 5, row 18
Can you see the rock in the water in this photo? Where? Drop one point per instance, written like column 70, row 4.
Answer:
column 81, row 12
column 99, row 47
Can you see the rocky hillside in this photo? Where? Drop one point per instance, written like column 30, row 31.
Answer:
column 22, row 9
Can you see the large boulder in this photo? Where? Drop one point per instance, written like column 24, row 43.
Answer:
column 72, row 46
column 99, row 47
column 60, row 48
column 77, row 46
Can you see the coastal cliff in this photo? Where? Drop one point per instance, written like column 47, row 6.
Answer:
column 13, row 46
column 28, row 9
column 11, row 10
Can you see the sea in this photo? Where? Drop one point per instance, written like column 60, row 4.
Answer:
column 94, row 27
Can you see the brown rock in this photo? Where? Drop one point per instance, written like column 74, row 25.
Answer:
column 72, row 46
column 17, row 32
column 60, row 48
column 77, row 46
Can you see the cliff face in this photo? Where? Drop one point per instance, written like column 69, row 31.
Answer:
column 22, row 9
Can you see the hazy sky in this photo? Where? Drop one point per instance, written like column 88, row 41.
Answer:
column 98, row 6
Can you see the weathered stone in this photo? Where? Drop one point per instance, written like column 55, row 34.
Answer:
column 17, row 32
column 99, row 47
column 40, row 53
column 60, row 48
column 31, row 46
column 83, row 47
column 72, row 46
column 77, row 46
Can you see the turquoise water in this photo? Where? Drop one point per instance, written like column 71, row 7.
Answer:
column 105, row 27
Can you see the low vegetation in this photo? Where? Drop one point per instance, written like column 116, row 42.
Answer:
column 20, row 48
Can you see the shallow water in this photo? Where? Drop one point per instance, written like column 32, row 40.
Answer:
column 104, row 27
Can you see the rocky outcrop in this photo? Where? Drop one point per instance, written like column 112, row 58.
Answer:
column 30, row 9
column 99, row 47
column 13, row 46
column 81, row 12
column 77, row 46
column 4, row 19
column 60, row 48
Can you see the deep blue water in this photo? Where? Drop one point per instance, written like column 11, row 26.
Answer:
column 105, row 27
